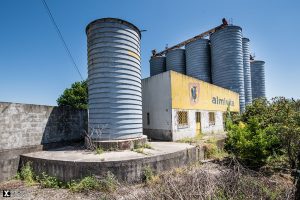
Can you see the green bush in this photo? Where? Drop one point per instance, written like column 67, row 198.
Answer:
column 148, row 174
column 250, row 143
column 88, row 183
column 99, row 150
column 26, row 174
column 47, row 181
column 109, row 183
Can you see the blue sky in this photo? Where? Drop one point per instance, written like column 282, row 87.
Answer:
column 34, row 67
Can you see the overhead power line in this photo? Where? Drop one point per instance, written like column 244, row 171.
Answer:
column 61, row 37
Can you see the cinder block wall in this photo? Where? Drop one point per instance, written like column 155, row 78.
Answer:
column 25, row 128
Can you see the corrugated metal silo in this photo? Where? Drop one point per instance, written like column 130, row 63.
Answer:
column 114, row 79
column 227, row 60
column 176, row 60
column 247, row 72
column 198, row 59
column 258, row 79
column 157, row 65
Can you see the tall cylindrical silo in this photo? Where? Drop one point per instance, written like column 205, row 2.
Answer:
column 175, row 60
column 227, row 60
column 198, row 59
column 247, row 72
column 157, row 65
column 114, row 79
column 258, row 79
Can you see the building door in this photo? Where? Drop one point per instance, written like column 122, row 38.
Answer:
column 198, row 122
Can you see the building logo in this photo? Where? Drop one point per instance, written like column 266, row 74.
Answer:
column 194, row 92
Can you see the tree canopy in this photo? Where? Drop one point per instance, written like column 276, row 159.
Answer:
column 76, row 96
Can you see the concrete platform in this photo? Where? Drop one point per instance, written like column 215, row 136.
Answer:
column 112, row 145
column 71, row 163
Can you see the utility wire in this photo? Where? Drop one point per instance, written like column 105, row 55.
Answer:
column 61, row 37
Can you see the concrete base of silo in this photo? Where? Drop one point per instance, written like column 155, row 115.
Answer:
column 71, row 163
column 115, row 145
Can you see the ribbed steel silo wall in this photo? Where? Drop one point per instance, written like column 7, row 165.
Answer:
column 198, row 59
column 258, row 79
column 114, row 79
column 227, row 60
column 175, row 60
column 247, row 72
column 157, row 65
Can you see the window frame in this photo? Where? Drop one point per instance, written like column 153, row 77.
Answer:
column 182, row 121
column 148, row 118
column 211, row 118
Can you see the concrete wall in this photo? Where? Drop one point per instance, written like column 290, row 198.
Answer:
column 129, row 170
column 156, row 95
column 190, row 130
column 25, row 128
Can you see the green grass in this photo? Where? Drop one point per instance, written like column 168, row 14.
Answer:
column 99, row 151
column 140, row 148
column 108, row 184
column 147, row 146
column 191, row 140
column 213, row 152
column 148, row 174
column 26, row 174
column 87, row 183
column 47, row 181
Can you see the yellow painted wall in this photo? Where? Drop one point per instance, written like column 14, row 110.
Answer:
column 181, row 86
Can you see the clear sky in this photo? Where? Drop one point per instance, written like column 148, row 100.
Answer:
column 34, row 67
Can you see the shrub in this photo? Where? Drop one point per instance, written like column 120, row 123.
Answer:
column 109, row 183
column 148, row 174
column 87, row 183
column 47, row 181
column 26, row 174
column 147, row 146
column 99, row 150
column 251, row 143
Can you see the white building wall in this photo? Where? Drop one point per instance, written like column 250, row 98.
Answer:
column 156, row 95
column 183, row 132
column 206, row 128
column 190, row 130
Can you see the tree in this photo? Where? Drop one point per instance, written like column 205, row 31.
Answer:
column 277, row 123
column 76, row 96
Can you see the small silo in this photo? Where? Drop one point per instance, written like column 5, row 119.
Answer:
column 114, row 79
column 198, row 59
column 175, row 60
column 157, row 65
column 258, row 79
column 247, row 72
column 227, row 60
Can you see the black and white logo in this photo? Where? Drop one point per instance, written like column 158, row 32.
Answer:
column 6, row 193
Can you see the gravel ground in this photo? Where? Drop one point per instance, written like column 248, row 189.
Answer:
column 20, row 191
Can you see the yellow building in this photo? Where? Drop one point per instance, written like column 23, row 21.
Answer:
column 176, row 106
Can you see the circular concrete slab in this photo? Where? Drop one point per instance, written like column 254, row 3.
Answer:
column 71, row 163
